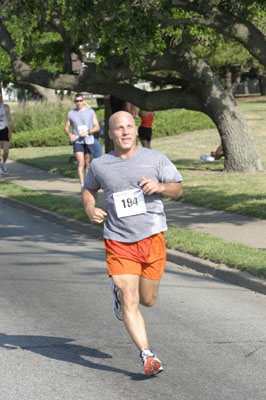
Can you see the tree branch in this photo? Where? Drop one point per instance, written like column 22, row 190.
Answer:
column 6, row 42
column 57, row 25
column 227, row 23
column 166, row 80
column 180, row 21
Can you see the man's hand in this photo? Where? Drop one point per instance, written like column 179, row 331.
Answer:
column 72, row 137
column 96, row 215
column 169, row 189
column 83, row 134
column 150, row 186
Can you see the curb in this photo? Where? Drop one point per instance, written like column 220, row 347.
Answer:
column 220, row 271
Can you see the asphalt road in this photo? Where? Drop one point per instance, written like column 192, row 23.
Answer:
column 59, row 338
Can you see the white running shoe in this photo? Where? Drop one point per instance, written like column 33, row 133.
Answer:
column 117, row 308
column 152, row 364
column 1, row 172
column 4, row 168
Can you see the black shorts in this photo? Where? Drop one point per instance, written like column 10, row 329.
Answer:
column 145, row 133
column 4, row 135
column 81, row 148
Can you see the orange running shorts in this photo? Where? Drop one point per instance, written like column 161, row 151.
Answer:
column 145, row 258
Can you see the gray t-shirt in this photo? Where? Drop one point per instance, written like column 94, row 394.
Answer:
column 80, row 122
column 114, row 174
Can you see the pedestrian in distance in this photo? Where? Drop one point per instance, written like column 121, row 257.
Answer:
column 6, row 128
column 145, row 129
column 133, row 179
column 215, row 155
column 84, row 124
column 218, row 153
column 131, row 109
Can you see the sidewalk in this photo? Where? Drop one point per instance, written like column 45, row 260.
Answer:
column 221, row 224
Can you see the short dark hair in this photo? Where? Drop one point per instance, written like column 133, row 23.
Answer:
column 78, row 95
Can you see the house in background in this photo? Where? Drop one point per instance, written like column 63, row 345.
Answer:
column 9, row 94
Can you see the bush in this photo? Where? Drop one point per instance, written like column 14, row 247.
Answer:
column 43, row 115
column 42, row 124
column 174, row 122
column 48, row 137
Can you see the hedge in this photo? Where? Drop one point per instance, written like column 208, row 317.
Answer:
column 48, row 137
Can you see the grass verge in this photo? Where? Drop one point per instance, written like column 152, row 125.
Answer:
column 68, row 207
column 232, row 254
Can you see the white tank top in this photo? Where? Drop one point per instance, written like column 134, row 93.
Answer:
column 3, row 118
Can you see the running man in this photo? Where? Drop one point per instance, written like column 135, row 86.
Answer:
column 6, row 128
column 133, row 180
column 84, row 123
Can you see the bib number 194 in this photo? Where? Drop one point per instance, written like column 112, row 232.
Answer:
column 129, row 202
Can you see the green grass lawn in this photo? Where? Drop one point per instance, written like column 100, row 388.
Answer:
column 204, row 184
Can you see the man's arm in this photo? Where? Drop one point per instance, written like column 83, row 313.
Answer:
column 96, row 215
column 9, row 121
column 171, row 189
column 96, row 125
column 71, row 136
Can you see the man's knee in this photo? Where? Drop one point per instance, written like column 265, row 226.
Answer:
column 80, row 163
column 129, row 297
column 148, row 299
column 148, row 291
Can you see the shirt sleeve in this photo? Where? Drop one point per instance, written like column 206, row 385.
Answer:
column 91, row 183
column 168, row 171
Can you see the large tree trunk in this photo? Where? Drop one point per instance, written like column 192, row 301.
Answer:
column 262, row 82
column 239, row 148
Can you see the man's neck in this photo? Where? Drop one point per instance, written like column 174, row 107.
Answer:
column 81, row 109
column 126, row 154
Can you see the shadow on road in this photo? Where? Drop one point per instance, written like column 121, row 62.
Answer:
column 59, row 348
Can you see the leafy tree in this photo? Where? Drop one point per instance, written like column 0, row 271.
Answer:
column 123, row 41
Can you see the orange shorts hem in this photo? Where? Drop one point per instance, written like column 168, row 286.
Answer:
column 144, row 258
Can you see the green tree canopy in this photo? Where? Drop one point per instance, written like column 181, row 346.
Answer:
column 123, row 41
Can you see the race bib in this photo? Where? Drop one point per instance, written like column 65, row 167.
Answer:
column 2, row 124
column 82, row 128
column 129, row 202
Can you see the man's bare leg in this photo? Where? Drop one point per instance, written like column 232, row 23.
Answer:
column 86, row 164
column 128, row 287
column 80, row 159
column 132, row 290
column 5, row 147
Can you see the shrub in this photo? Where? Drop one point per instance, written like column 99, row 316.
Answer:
column 43, row 115
column 48, row 137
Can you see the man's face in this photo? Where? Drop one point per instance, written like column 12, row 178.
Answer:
column 123, row 132
column 79, row 102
